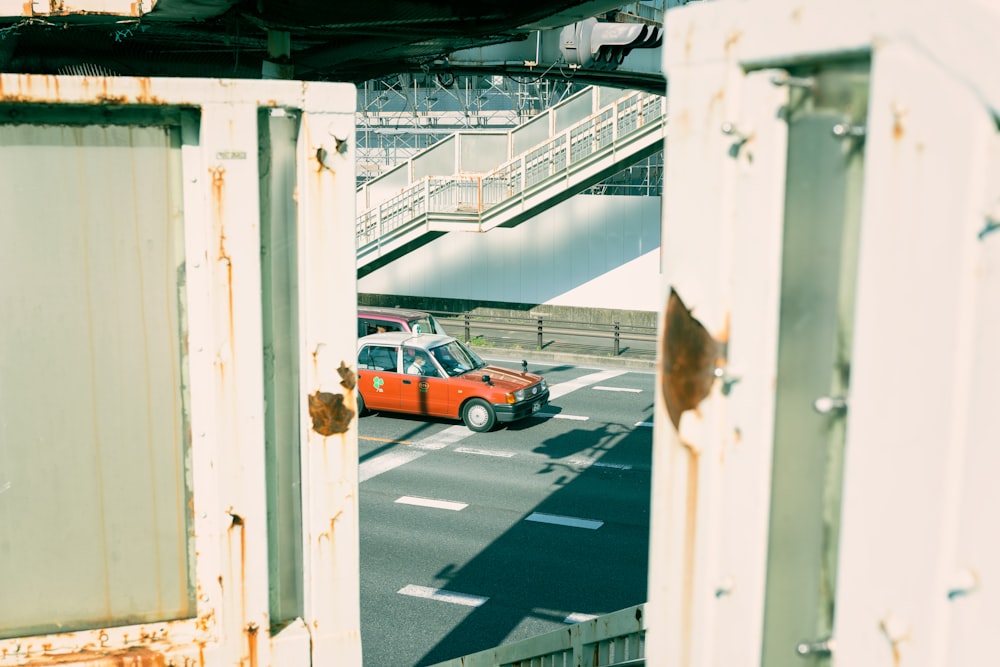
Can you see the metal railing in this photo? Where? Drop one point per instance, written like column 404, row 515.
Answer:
column 617, row 639
column 476, row 194
column 543, row 333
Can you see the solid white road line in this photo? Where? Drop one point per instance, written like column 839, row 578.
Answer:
column 564, row 521
column 579, row 618
column 484, row 452
column 625, row 389
column 442, row 595
column 437, row 504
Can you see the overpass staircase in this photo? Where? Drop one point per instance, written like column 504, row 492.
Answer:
column 477, row 180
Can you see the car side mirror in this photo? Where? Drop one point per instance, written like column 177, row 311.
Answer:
column 486, row 379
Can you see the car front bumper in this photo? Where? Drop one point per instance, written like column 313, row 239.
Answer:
column 510, row 413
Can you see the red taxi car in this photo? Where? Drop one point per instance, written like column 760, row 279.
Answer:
column 439, row 376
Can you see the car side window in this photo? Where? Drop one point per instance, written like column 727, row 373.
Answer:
column 367, row 327
column 417, row 362
column 377, row 357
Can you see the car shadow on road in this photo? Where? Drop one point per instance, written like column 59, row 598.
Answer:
column 534, row 574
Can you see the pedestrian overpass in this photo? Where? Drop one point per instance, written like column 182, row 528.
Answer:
column 474, row 181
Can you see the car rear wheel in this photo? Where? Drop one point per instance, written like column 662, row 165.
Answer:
column 361, row 405
column 478, row 415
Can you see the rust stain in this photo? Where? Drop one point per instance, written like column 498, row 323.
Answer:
column 329, row 413
column 145, row 96
column 206, row 621
column 28, row 9
column 134, row 657
column 689, row 356
column 732, row 39
column 898, row 113
column 251, row 630
column 892, row 630
column 218, row 189
column 690, row 532
column 347, row 378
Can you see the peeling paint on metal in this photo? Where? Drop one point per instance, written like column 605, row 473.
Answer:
column 348, row 380
column 329, row 413
column 252, row 636
column 688, row 357
column 134, row 657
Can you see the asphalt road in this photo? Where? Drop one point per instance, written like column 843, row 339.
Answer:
column 469, row 541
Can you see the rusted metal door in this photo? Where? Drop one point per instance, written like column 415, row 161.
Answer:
column 825, row 433
column 177, row 421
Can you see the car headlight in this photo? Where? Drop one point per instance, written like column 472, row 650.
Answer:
column 520, row 394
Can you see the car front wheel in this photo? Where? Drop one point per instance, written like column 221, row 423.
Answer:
column 478, row 415
column 361, row 405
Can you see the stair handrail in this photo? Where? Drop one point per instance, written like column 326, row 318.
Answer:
column 417, row 196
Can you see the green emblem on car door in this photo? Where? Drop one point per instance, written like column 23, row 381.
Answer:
column 377, row 382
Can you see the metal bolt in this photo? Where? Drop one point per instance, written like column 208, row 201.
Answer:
column 731, row 130
column 826, row 405
column 725, row 587
column 992, row 224
column 786, row 79
column 819, row 647
column 966, row 581
column 848, row 131
column 728, row 379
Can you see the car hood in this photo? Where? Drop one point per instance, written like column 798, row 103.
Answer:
column 503, row 378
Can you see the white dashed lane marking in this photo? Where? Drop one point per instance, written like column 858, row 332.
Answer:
column 570, row 521
column 647, row 424
column 559, row 415
column 624, row 389
column 442, row 595
column 436, row 504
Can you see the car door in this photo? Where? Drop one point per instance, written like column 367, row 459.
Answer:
column 378, row 378
column 424, row 390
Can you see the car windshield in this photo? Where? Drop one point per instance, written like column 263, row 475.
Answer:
column 455, row 358
column 426, row 325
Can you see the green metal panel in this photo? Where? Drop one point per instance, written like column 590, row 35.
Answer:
column 822, row 218
column 279, row 299
column 94, row 519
